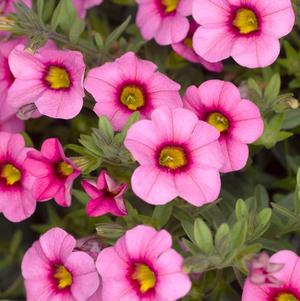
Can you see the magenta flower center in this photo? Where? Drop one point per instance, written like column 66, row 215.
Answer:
column 172, row 157
column 132, row 97
column 286, row 297
column 10, row 174
column 169, row 5
column 58, row 78
column 144, row 277
column 219, row 121
column 65, row 169
column 245, row 21
column 63, row 277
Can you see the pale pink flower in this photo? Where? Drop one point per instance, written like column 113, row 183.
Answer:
column 106, row 196
column 288, row 286
column 262, row 270
column 179, row 156
column 142, row 266
column 164, row 20
column 247, row 30
column 83, row 5
column 185, row 50
column 238, row 120
column 51, row 79
column 130, row 84
column 54, row 173
column 90, row 244
column 16, row 200
column 53, row 271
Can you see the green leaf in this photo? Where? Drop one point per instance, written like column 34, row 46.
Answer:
column 241, row 210
column 297, row 199
column 203, row 236
column 64, row 16
column 40, row 8
column 115, row 35
column 188, row 228
column 81, row 196
column 262, row 197
column 76, row 30
column 106, row 128
column 273, row 88
column 223, row 239
column 239, row 234
column 162, row 214
column 286, row 212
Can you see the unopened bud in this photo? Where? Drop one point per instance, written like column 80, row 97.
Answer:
column 293, row 103
column 6, row 23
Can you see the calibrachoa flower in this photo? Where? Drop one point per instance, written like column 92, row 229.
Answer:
column 54, row 173
column 6, row 77
column 179, row 156
column 52, row 79
column 247, row 30
column 238, row 120
column 130, row 84
column 16, row 200
column 53, row 271
column 164, row 20
column 262, row 270
column 142, row 266
column 288, row 290
column 11, row 124
column 7, row 6
column 185, row 50
column 83, row 5
column 106, row 196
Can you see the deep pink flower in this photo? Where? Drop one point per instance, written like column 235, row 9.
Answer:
column 185, row 50
column 130, row 84
column 262, row 270
column 289, row 287
column 238, row 120
column 247, row 30
column 83, row 5
column 53, row 271
column 142, row 266
column 54, row 173
column 52, row 79
column 7, row 6
column 16, row 200
column 179, row 156
column 106, row 196
column 164, row 20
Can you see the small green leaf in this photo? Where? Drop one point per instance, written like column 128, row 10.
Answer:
column 76, row 30
column 162, row 214
column 273, row 88
column 239, row 234
column 106, row 128
column 222, row 239
column 203, row 236
column 241, row 210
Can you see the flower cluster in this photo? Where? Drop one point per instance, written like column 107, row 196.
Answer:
column 177, row 141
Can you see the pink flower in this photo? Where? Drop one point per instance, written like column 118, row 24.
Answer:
column 247, row 30
column 238, row 120
column 54, row 272
column 7, row 6
column 54, row 173
column 83, row 5
column 142, row 266
column 91, row 245
column 11, row 124
column 6, row 77
column 179, row 156
column 52, row 79
column 289, row 287
column 262, row 270
column 164, row 20
column 130, row 84
column 16, row 200
column 185, row 50
column 106, row 196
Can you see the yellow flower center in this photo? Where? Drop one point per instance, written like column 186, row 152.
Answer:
column 219, row 121
column 188, row 42
column 65, row 169
column 286, row 297
column 145, row 277
column 172, row 157
column 245, row 20
column 58, row 78
column 170, row 5
column 63, row 277
column 132, row 97
column 11, row 174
